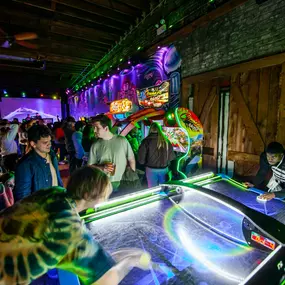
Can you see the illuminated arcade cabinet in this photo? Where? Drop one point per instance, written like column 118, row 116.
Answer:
column 181, row 126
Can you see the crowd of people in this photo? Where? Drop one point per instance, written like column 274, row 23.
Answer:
column 41, row 218
column 33, row 151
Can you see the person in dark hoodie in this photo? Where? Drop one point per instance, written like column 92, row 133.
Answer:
column 272, row 162
column 155, row 153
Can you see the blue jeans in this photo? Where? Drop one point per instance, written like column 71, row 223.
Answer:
column 156, row 176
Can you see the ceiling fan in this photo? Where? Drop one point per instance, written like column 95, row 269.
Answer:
column 6, row 41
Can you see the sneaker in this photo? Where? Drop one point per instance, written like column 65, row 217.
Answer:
column 61, row 162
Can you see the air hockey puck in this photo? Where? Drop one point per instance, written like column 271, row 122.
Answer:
column 260, row 199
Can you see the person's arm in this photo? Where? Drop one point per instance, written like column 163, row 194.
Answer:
column 280, row 194
column 126, row 260
column 77, row 142
column 131, row 157
column 142, row 152
column 264, row 167
column 23, row 181
column 12, row 132
column 92, row 159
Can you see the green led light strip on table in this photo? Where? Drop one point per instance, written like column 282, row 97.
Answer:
column 198, row 178
column 122, row 208
column 123, row 200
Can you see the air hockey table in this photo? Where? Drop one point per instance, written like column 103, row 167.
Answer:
column 195, row 235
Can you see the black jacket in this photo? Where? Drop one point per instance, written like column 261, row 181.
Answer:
column 265, row 173
column 150, row 156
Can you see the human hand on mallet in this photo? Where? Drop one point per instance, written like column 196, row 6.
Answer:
column 267, row 196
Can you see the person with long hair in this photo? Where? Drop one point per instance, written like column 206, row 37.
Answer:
column 155, row 153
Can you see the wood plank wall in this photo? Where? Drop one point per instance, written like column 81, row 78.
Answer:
column 202, row 92
column 253, row 123
column 254, row 116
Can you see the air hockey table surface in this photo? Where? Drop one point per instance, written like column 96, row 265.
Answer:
column 195, row 236
column 231, row 188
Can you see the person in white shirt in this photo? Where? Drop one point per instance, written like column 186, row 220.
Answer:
column 9, row 149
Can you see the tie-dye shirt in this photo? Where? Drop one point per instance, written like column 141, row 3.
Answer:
column 44, row 231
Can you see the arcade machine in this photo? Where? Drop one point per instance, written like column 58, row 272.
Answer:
column 181, row 126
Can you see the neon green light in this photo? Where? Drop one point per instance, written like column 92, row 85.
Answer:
column 123, row 200
column 122, row 208
column 139, row 48
column 199, row 177
column 188, row 150
column 208, row 181
column 237, row 184
column 121, row 59
column 170, row 26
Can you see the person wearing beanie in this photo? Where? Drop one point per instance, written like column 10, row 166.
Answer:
column 272, row 162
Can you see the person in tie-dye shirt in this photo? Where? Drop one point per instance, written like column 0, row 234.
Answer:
column 44, row 231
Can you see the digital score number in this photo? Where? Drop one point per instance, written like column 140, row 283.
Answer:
column 262, row 240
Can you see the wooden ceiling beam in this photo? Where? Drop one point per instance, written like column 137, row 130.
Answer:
column 82, row 32
column 97, row 10
column 66, row 47
column 90, row 20
column 46, row 39
column 70, row 14
column 116, row 6
column 28, row 53
column 137, row 4
column 18, row 17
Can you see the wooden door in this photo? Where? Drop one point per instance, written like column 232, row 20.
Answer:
column 254, row 110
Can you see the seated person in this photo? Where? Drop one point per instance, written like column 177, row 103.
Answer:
column 272, row 160
column 44, row 231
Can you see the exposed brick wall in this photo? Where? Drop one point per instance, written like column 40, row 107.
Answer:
column 249, row 31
